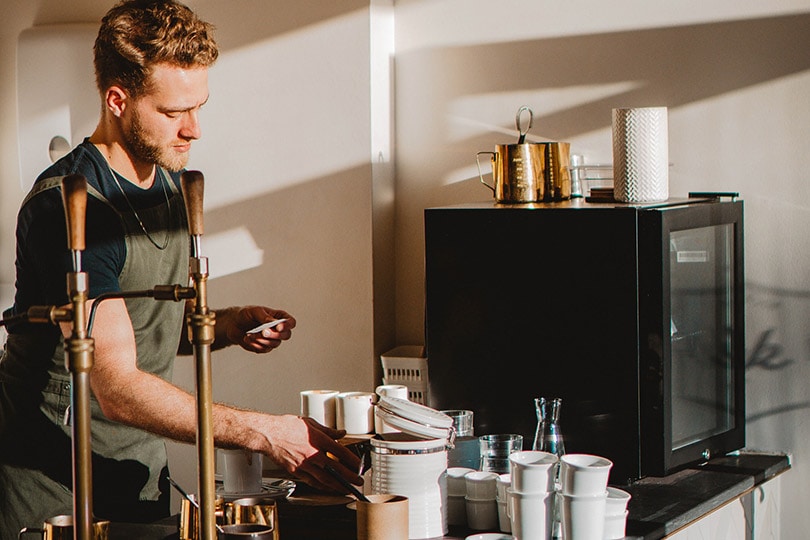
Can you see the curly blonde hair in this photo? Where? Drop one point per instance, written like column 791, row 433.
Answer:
column 135, row 35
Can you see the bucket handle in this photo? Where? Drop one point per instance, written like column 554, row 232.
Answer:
column 480, row 175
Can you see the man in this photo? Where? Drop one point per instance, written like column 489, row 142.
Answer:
column 151, row 60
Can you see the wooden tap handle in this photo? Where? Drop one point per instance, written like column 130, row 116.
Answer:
column 192, row 184
column 74, row 197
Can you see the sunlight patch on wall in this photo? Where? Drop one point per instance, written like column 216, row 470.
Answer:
column 286, row 111
column 481, row 114
column 231, row 251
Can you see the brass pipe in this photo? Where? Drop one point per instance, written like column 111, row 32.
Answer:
column 201, row 323
column 79, row 360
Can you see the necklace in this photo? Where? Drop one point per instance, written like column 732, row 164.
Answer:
column 158, row 174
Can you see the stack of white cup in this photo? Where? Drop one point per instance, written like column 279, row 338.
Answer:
column 531, row 495
column 503, row 483
column 616, row 513
column 583, row 479
column 481, row 505
column 457, row 495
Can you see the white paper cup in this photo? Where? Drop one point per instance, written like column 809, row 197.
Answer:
column 354, row 412
column 584, row 474
column 583, row 517
column 617, row 500
column 320, row 405
column 481, row 485
column 242, row 471
column 533, row 471
column 482, row 515
column 530, row 514
column 615, row 526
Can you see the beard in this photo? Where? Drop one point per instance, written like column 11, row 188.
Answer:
column 147, row 149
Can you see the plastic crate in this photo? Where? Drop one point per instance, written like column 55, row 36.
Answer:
column 407, row 365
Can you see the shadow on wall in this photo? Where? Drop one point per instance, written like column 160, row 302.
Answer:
column 777, row 355
column 667, row 66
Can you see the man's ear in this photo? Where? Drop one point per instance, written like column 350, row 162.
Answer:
column 116, row 100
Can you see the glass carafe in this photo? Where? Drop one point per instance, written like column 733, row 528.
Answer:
column 548, row 436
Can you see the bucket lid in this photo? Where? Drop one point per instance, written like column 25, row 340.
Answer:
column 415, row 419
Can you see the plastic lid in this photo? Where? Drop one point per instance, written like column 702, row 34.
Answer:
column 414, row 418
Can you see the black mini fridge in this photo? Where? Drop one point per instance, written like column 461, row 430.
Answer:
column 633, row 315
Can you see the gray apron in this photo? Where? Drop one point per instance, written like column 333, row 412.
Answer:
column 129, row 465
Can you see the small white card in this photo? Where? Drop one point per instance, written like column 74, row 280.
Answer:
column 264, row 326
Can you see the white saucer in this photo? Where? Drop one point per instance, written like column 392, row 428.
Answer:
column 274, row 488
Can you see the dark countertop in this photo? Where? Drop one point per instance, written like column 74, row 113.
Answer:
column 659, row 506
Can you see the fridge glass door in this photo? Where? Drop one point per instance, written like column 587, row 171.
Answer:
column 701, row 287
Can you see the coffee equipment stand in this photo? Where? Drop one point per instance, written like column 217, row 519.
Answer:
column 79, row 349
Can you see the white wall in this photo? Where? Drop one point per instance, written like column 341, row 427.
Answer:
column 289, row 139
column 736, row 79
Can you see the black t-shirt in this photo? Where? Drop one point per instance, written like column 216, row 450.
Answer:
column 43, row 257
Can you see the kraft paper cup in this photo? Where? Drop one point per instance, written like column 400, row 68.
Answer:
column 584, row 474
column 533, row 471
column 321, row 406
column 384, row 518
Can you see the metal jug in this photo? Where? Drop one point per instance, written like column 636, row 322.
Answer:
column 517, row 169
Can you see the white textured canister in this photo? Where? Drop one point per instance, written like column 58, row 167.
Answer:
column 640, row 154
column 416, row 469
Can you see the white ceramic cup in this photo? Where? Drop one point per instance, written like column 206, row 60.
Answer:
column 482, row 515
column 583, row 517
column 616, row 503
column 457, row 510
column 584, row 474
column 242, row 471
column 320, row 405
column 533, row 471
column 388, row 390
column 504, row 523
column 615, row 526
column 354, row 412
column 456, row 484
column 481, row 485
column 502, row 483
column 530, row 514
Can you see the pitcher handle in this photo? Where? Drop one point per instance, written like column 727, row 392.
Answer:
column 480, row 175
column 31, row 530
